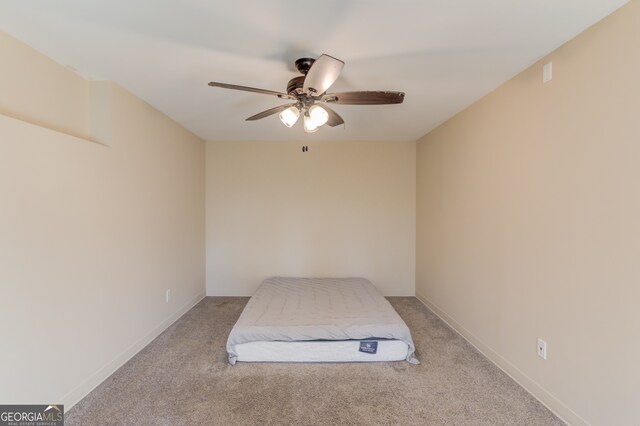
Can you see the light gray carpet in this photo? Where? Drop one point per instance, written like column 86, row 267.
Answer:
column 183, row 378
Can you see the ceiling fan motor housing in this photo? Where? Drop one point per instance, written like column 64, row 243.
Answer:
column 294, row 87
column 296, row 84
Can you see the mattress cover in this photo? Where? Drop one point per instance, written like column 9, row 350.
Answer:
column 299, row 309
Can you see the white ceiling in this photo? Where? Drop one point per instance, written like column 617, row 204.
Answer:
column 444, row 54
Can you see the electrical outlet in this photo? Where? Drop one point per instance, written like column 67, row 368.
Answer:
column 542, row 348
column 547, row 72
column 168, row 295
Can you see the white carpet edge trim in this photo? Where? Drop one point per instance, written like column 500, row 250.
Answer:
column 82, row 390
column 547, row 399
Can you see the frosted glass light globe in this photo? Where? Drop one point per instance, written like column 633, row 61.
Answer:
column 289, row 116
column 309, row 125
column 319, row 115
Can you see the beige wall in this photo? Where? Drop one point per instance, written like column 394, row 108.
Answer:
column 91, row 236
column 341, row 209
column 528, row 224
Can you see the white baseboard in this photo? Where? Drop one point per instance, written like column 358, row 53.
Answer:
column 82, row 390
column 547, row 399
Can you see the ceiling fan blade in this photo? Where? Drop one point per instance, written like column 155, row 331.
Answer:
column 323, row 73
column 364, row 98
column 334, row 118
column 269, row 112
column 250, row 89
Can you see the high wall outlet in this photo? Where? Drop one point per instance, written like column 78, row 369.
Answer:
column 542, row 348
column 547, row 72
column 168, row 295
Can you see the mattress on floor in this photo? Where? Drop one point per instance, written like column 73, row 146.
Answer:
column 318, row 309
column 321, row 351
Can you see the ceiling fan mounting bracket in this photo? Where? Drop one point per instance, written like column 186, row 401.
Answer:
column 304, row 65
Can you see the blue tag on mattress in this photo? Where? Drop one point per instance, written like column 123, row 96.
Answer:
column 369, row 347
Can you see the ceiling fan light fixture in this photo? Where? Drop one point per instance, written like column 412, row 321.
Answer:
column 310, row 89
column 319, row 115
column 289, row 116
column 309, row 125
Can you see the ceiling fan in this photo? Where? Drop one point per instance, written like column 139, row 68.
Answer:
column 309, row 90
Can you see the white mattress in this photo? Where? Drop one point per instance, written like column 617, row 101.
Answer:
column 308, row 310
column 320, row 351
